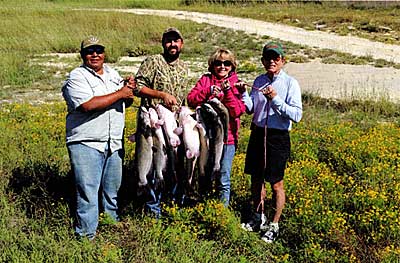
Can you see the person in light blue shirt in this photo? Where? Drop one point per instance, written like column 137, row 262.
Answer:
column 275, row 104
column 96, row 97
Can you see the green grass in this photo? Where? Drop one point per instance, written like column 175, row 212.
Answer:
column 340, row 177
column 342, row 181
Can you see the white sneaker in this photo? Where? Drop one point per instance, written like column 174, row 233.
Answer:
column 271, row 234
column 256, row 223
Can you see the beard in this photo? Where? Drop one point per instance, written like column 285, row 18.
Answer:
column 170, row 55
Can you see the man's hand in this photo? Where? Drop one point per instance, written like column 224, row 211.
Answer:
column 126, row 92
column 130, row 82
column 168, row 99
column 269, row 92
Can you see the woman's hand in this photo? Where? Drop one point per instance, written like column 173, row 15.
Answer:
column 241, row 86
column 215, row 91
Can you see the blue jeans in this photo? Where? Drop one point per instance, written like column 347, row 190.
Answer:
column 95, row 170
column 224, row 186
column 153, row 203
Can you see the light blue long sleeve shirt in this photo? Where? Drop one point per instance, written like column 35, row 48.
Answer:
column 283, row 109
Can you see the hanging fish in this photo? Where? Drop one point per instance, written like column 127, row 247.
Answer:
column 169, row 124
column 143, row 149
column 189, row 132
column 223, row 114
column 159, row 146
column 204, row 143
column 215, row 132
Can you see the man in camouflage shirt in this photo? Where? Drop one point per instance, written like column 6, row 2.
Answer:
column 164, row 78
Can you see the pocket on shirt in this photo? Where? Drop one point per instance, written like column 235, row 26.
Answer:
column 98, row 88
column 116, row 81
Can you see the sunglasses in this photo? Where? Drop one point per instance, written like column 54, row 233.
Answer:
column 91, row 50
column 219, row 63
column 170, row 39
column 273, row 56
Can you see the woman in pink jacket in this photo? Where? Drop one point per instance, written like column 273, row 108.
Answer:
column 222, row 82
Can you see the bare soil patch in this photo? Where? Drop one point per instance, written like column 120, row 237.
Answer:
column 347, row 81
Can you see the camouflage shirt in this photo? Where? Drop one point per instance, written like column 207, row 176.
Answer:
column 156, row 73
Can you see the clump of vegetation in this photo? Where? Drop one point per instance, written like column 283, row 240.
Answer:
column 247, row 66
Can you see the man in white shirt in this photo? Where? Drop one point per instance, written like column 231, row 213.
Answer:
column 96, row 98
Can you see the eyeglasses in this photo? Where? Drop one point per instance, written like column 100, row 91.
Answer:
column 219, row 63
column 91, row 50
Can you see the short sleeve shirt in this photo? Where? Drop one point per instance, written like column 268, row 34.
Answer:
column 94, row 128
column 156, row 73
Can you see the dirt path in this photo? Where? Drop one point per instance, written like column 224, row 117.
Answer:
column 326, row 80
column 347, row 81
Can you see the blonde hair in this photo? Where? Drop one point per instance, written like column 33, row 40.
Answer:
column 222, row 54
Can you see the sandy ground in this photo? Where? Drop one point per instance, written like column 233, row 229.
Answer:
column 326, row 80
column 347, row 81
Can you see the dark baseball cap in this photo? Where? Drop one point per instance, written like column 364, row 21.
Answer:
column 172, row 31
column 274, row 46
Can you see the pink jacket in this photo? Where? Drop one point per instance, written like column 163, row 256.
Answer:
column 231, row 98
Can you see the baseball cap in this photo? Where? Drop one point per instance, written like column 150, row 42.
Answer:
column 274, row 46
column 91, row 41
column 172, row 30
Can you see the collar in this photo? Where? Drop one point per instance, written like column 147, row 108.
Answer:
column 173, row 63
column 230, row 75
column 276, row 76
column 106, row 69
